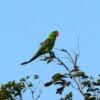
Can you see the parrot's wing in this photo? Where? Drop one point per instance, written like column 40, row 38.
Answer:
column 45, row 46
column 46, row 42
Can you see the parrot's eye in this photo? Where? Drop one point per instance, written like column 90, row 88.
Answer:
column 57, row 33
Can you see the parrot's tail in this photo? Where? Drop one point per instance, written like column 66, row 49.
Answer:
column 32, row 59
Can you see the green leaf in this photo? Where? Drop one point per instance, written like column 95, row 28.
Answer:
column 92, row 98
column 87, row 95
column 27, row 77
column 23, row 79
column 86, row 83
column 36, row 77
column 48, row 84
column 30, row 84
column 68, row 96
column 98, row 82
column 58, row 76
column 60, row 90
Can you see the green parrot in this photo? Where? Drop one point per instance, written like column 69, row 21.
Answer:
column 46, row 46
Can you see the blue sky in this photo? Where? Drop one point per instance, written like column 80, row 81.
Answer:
column 26, row 23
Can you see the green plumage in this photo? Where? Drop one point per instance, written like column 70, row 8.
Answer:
column 46, row 46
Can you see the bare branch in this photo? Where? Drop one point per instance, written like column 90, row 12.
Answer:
column 62, row 63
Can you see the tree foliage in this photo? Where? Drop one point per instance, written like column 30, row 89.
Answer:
column 73, row 77
column 14, row 90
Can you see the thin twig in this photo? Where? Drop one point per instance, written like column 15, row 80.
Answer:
column 69, row 56
column 62, row 63
column 74, row 86
column 39, row 95
column 79, row 88
column 32, row 92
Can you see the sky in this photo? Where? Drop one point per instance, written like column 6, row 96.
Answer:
column 26, row 23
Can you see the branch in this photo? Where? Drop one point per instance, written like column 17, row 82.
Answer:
column 62, row 63
column 79, row 88
column 70, row 58
column 66, row 67
column 32, row 92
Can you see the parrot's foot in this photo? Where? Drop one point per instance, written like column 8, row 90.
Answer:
column 52, row 55
column 49, row 58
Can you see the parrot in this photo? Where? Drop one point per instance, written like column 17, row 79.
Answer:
column 45, row 47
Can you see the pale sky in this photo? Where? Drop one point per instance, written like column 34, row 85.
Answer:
column 26, row 23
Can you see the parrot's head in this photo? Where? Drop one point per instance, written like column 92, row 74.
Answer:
column 54, row 34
